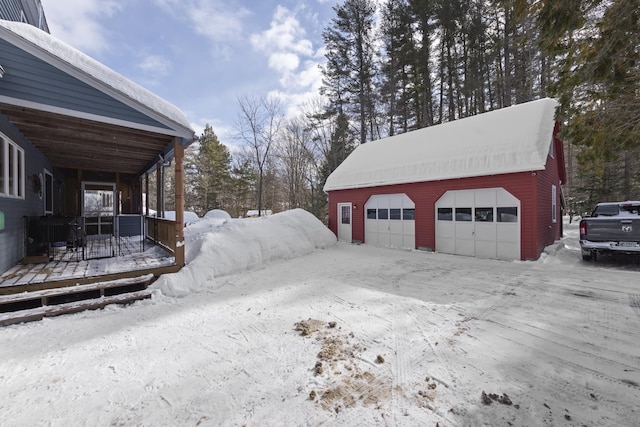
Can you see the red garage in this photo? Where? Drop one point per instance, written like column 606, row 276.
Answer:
column 486, row 186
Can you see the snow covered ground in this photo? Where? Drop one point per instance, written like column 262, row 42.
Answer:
column 273, row 323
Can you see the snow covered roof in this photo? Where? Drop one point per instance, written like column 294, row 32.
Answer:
column 59, row 53
column 509, row 140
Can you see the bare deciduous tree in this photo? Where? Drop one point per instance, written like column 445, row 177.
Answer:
column 258, row 125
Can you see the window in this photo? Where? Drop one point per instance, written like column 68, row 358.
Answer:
column 346, row 214
column 554, row 205
column 371, row 214
column 507, row 214
column 12, row 169
column 463, row 214
column 409, row 214
column 383, row 213
column 395, row 214
column 484, row 215
column 445, row 214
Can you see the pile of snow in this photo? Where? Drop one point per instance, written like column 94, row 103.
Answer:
column 217, row 213
column 216, row 247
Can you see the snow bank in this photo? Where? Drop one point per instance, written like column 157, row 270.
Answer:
column 217, row 213
column 216, row 247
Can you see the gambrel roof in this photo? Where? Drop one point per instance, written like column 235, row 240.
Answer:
column 509, row 140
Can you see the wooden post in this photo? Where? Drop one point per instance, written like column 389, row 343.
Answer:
column 178, row 150
column 159, row 211
column 146, row 194
column 116, row 196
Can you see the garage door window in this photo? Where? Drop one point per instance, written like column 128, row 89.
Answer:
column 445, row 214
column 409, row 214
column 395, row 214
column 484, row 215
column 383, row 213
column 509, row 214
column 463, row 214
column 371, row 214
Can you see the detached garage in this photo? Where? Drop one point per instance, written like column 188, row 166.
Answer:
column 485, row 186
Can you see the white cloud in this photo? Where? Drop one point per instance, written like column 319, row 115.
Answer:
column 219, row 21
column 285, row 34
column 284, row 62
column 77, row 22
column 291, row 55
column 155, row 68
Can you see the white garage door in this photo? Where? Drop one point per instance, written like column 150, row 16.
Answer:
column 483, row 223
column 390, row 221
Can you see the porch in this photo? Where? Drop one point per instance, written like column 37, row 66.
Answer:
column 67, row 282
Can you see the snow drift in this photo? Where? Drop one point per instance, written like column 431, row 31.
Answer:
column 217, row 246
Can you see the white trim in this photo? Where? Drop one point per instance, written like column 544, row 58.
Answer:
column 88, row 116
column 19, row 170
column 554, row 204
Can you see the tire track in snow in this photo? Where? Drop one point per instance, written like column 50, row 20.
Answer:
column 400, row 367
column 526, row 380
column 634, row 303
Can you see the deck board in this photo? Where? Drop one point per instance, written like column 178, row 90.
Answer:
column 60, row 270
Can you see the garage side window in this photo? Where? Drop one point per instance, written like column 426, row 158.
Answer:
column 346, row 215
column 507, row 214
column 371, row 214
column 409, row 214
column 12, row 169
column 445, row 214
column 484, row 215
column 463, row 214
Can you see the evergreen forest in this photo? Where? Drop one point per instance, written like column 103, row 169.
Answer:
column 399, row 65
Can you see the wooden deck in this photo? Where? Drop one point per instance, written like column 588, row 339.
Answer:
column 61, row 273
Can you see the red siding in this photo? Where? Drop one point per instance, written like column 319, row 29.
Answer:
column 548, row 231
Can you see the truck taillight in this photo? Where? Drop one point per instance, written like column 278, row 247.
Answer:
column 583, row 229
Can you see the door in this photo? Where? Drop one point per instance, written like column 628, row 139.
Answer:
column 390, row 221
column 482, row 222
column 344, row 222
column 98, row 212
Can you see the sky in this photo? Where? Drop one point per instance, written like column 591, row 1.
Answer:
column 274, row 323
column 201, row 55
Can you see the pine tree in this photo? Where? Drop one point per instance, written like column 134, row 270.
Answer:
column 350, row 68
column 595, row 44
column 207, row 168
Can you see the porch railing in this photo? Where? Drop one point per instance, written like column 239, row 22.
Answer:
column 58, row 238
column 162, row 232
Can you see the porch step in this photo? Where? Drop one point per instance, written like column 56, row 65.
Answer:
column 36, row 305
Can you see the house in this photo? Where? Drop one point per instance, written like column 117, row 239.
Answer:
column 78, row 142
column 485, row 186
column 29, row 11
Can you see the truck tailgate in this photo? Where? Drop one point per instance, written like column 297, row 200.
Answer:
column 613, row 229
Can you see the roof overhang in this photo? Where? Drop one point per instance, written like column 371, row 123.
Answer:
column 79, row 143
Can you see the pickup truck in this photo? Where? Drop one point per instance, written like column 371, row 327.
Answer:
column 612, row 227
